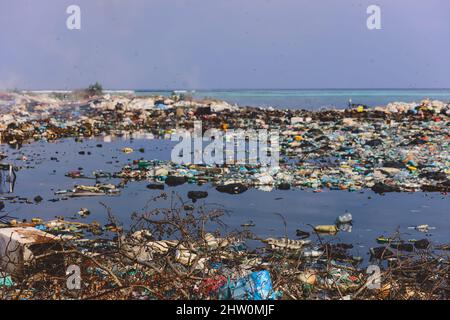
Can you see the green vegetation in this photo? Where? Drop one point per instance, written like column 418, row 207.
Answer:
column 95, row 89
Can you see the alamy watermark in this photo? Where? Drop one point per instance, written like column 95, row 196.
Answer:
column 374, row 20
column 252, row 147
column 73, row 21
column 374, row 280
column 74, row 277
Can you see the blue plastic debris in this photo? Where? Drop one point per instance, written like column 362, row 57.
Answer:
column 255, row 286
column 161, row 106
column 40, row 227
column 216, row 265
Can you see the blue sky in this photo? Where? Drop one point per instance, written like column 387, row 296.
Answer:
column 218, row 44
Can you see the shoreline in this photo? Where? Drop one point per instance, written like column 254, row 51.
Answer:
column 145, row 262
column 404, row 149
column 398, row 148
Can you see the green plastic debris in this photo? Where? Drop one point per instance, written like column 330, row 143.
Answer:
column 6, row 281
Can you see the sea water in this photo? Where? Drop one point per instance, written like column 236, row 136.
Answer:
column 313, row 99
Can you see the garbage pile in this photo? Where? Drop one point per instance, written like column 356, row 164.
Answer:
column 168, row 254
column 185, row 252
column 402, row 147
column 351, row 175
column 37, row 116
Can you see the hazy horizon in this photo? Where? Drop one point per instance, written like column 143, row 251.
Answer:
column 235, row 89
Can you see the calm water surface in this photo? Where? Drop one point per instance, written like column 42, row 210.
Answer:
column 373, row 215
